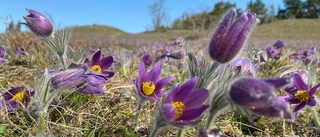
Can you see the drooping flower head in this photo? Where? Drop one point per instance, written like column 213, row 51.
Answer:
column 258, row 96
column 178, row 54
column 301, row 94
column 79, row 78
column 184, row 104
column 14, row 97
column 150, row 85
column 230, row 35
column 244, row 66
column 100, row 66
column 210, row 133
column 38, row 24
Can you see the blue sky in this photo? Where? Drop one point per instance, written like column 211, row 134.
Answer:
column 128, row 15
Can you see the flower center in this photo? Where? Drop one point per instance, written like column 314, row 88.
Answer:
column 179, row 107
column 96, row 68
column 302, row 95
column 148, row 88
column 19, row 96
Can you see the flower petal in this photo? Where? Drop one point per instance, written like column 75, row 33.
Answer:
column 192, row 114
column 142, row 72
column 299, row 107
column 154, row 74
column 163, row 82
column 174, row 90
column 106, row 62
column 96, row 58
column 169, row 112
column 299, row 83
column 314, row 89
column 195, row 98
column 292, row 100
column 185, row 89
column 312, row 102
column 277, row 82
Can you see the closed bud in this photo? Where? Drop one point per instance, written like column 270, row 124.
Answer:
column 230, row 35
column 38, row 24
column 279, row 44
column 179, row 54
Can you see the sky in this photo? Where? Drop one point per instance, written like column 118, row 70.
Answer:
column 128, row 15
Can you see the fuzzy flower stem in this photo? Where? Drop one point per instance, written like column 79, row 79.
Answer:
column 137, row 111
column 314, row 112
column 210, row 120
column 180, row 132
column 41, row 124
column 155, row 131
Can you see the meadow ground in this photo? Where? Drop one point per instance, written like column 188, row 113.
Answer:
column 111, row 114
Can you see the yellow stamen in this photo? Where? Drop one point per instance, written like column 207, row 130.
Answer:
column 96, row 68
column 148, row 88
column 20, row 96
column 162, row 49
column 302, row 95
column 179, row 107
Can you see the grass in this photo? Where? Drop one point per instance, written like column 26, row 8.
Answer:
column 73, row 114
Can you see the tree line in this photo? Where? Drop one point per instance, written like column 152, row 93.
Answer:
column 266, row 14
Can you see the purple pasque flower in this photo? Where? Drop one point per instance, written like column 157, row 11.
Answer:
column 230, row 35
column 303, row 73
column 38, row 24
column 14, row 97
column 178, row 54
column 79, row 78
column 279, row 44
column 163, row 48
column 184, row 104
column 150, row 85
column 273, row 52
column 258, row 96
column 244, row 66
column 178, row 42
column 301, row 94
column 295, row 56
column 100, row 66
column 20, row 51
column 147, row 59
column 3, row 60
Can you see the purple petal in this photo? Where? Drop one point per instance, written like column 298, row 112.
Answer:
column 174, row 90
column 314, row 89
column 299, row 107
column 106, row 62
column 312, row 102
column 291, row 90
column 277, row 82
column 142, row 72
column 169, row 112
column 13, row 106
column 292, row 100
column 90, row 89
column 96, row 58
column 163, row 82
column 193, row 113
column 195, row 98
column 185, row 89
column 108, row 73
column 299, row 83
column 154, row 74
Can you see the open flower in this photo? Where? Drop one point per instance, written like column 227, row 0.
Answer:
column 15, row 96
column 38, row 24
column 244, row 66
column 184, row 104
column 101, row 66
column 258, row 96
column 301, row 94
column 149, row 85
column 230, row 35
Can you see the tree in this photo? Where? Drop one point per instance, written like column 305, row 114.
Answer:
column 312, row 8
column 158, row 14
column 294, row 8
column 260, row 9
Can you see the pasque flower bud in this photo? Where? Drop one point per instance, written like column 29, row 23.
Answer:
column 38, row 24
column 230, row 35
